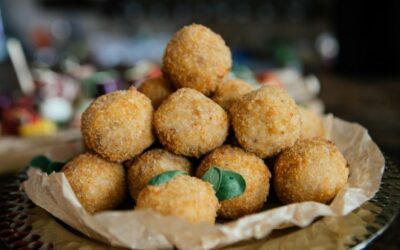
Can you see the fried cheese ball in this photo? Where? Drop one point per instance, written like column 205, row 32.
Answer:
column 197, row 58
column 151, row 164
column 312, row 170
column 186, row 197
column 157, row 89
column 117, row 126
column 311, row 124
column 229, row 91
column 98, row 184
column 266, row 121
column 189, row 123
column 252, row 169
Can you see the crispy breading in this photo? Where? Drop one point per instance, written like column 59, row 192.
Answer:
column 157, row 90
column 227, row 92
column 265, row 121
column 197, row 58
column 98, row 184
column 252, row 169
column 312, row 170
column 153, row 163
column 191, row 124
column 186, row 197
column 117, row 125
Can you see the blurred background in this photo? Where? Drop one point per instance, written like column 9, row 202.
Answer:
column 56, row 56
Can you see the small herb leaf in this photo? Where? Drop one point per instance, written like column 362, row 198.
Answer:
column 46, row 165
column 56, row 166
column 41, row 162
column 165, row 177
column 227, row 184
column 213, row 176
column 232, row 185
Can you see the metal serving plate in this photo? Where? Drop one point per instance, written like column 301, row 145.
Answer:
column 26, row 226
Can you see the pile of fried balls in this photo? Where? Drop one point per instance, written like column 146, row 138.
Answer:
column 194, row 144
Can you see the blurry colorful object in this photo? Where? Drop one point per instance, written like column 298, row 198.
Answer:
column 56, row 109
column 269, row 78
column 245, row 73
column 38, row 127
column 143, row 70
column 100, row 83
column 52, row 84
column 301, row 88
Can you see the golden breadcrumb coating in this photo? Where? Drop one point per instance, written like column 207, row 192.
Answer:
column 98, row 184
column 189, row 123
column 117, row 125
column 197, row 58
column 252, row 169
column 312, row 170
column 157, row 89
column 311, row 124
column 184, row 196
column 151, row 164
column 265, row 121
column 229, row 91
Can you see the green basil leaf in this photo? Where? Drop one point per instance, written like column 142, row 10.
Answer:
column 213, row 176
column 232, row 185
column 165, row 177
column 55, row 166
column 46, row 165
column 41, row 162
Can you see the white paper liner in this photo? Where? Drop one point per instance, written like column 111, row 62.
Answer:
column 145, row 229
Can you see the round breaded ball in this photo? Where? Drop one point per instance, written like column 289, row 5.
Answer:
column 312, row 170
column 151, row 164
column 186, row 197
column 191, row 124
column 252, row 169
column 157, row 89
column 98, row 184
column 311, row 124
column 227, row 92
column 196, row 58
column 266, row 121
column 117, row 126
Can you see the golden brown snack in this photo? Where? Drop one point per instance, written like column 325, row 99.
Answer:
column 252, row 169
column 229, row 91
column 153, row 163
column 157, row 89
column 266, row 121
column 117, row 125
column 312, row 170
column 184, row 196
column 189, row 123
column 98, row 184
column 196, row 58
column 311, row 124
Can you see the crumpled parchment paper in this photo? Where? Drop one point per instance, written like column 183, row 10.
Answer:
column 145, row 229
